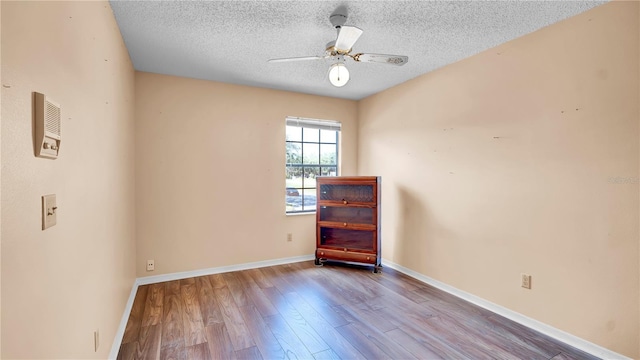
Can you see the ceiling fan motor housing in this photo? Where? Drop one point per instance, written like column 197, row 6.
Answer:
column 338, row 18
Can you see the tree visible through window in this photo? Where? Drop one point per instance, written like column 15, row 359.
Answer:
column 312, row 150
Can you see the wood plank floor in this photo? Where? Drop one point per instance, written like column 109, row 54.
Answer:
column 299, row 311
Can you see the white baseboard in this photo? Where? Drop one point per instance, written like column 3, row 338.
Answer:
column 217, row 270
column 579, row 343
column 117, row 340
column 115, row 347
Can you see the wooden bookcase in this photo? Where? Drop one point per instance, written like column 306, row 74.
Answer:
column 348, row 219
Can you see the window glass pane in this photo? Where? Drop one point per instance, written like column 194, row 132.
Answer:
column 329, row 171
column 294, row 153
column 294, row 177
column 309, row 200
column 329, row 136
column 310, row 135
column 311, row 153
column 293, row 199
column 310, row 174
column 310, row 181
column 294, row 133
column 328, row 154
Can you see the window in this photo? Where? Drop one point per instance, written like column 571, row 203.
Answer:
column 312, row 150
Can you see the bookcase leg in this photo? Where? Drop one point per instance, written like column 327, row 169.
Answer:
column 317, row 262
column 377, row 269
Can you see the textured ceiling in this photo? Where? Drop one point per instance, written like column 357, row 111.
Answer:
column 231, row 41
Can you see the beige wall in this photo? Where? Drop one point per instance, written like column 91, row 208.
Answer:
column 501, row 164
column 489, row 171
column 60, row 285
column 210, row 178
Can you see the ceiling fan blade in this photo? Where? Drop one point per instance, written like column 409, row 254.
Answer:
column 302, row 58
column 382, row 58
column 347, row 36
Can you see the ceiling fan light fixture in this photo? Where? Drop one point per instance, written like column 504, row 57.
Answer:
column 338, row 75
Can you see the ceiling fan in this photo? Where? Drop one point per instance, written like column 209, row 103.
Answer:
column 339, row 49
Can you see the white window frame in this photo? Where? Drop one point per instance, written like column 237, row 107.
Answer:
column 312, row 124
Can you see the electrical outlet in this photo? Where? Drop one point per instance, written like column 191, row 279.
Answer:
column 525, row 281
column 289, row 237
column 96, row 340
column 151, row 265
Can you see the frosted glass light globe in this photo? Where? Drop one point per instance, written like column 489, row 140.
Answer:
column 338, row 75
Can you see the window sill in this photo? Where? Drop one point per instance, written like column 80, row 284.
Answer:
column 301, row 213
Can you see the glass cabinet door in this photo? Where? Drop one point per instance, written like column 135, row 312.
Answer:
column 347, row 193
column 347, row 239
column 351, row 215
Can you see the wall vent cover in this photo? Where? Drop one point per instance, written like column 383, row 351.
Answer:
column 46, row 119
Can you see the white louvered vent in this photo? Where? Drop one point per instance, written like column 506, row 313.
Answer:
column 52, row 118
